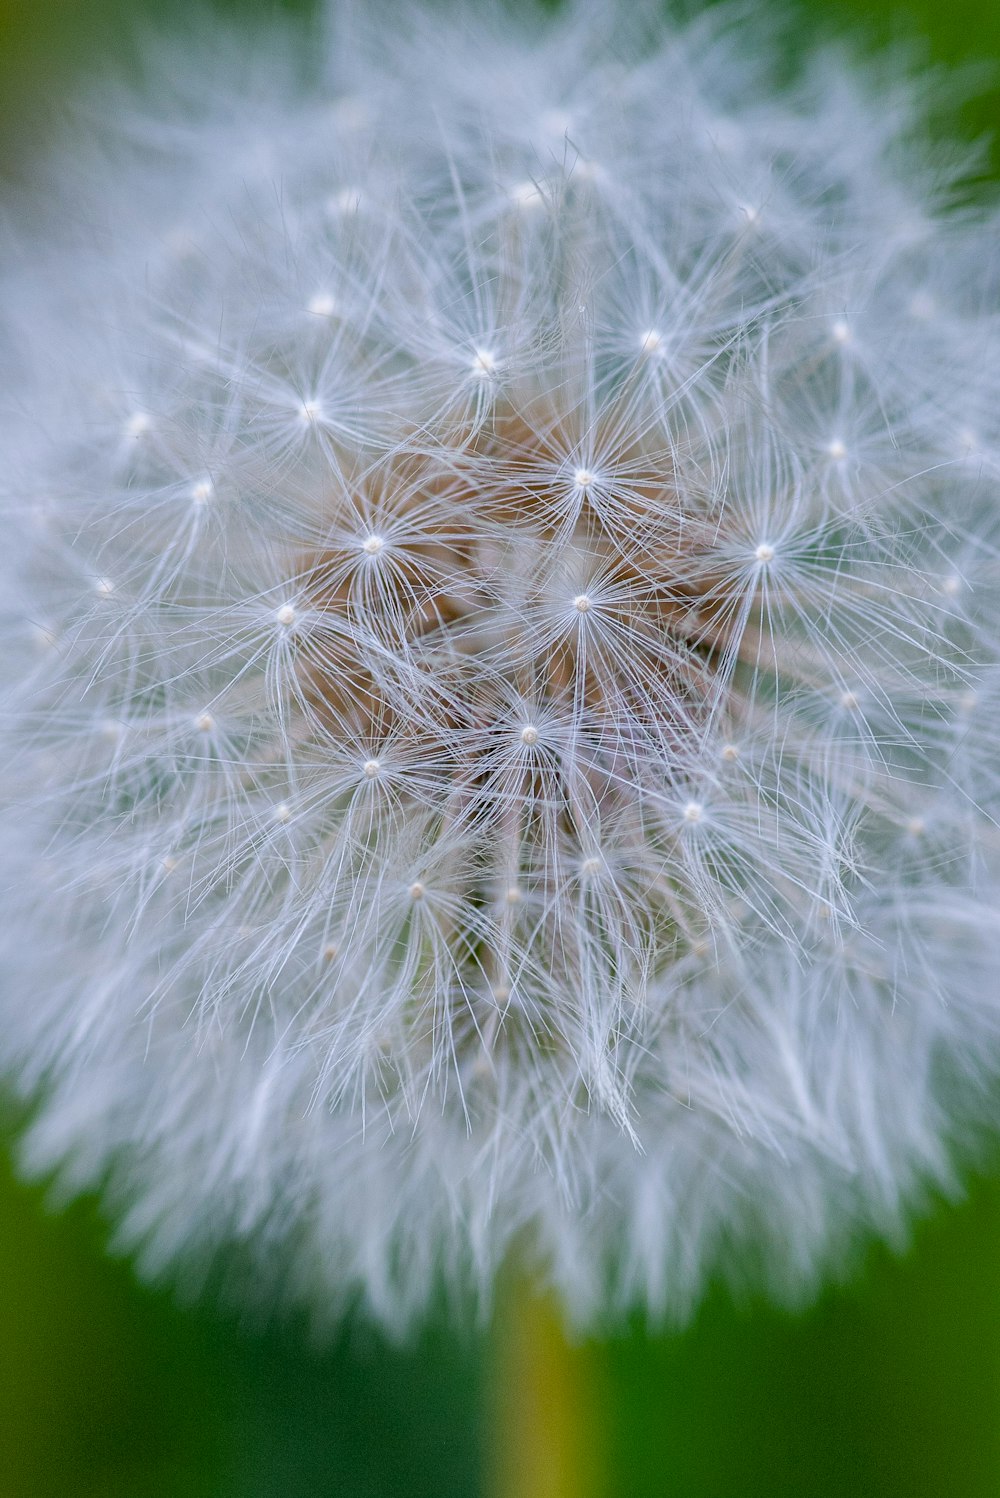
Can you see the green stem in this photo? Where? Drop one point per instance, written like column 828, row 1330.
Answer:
column 545, row 1424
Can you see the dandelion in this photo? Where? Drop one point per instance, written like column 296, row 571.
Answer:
column 502, row 655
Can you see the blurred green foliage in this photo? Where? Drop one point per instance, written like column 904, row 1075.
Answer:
column 889, row 1387
column 112, row 1390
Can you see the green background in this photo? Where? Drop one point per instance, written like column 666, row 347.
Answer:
column 889, row 1386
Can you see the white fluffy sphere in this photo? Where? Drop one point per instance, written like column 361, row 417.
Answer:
column 502, row 644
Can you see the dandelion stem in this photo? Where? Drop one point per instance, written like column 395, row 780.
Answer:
column 544, row 1414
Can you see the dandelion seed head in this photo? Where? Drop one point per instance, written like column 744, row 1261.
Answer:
column 552, row 800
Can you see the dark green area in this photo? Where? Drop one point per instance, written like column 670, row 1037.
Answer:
column 889, row 1387
column 113, row 1390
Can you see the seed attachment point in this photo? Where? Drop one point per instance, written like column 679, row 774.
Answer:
column 484, row 364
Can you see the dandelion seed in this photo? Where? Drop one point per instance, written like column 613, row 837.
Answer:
column 526, row 195
column 587, row 171
column 349, row 199
column 556, row 122
column 322, row 305
column 44, row 636
column 484, row 364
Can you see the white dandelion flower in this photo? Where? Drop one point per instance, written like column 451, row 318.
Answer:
column 502, row 656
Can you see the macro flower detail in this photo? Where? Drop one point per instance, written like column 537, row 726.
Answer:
column 502, row 659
